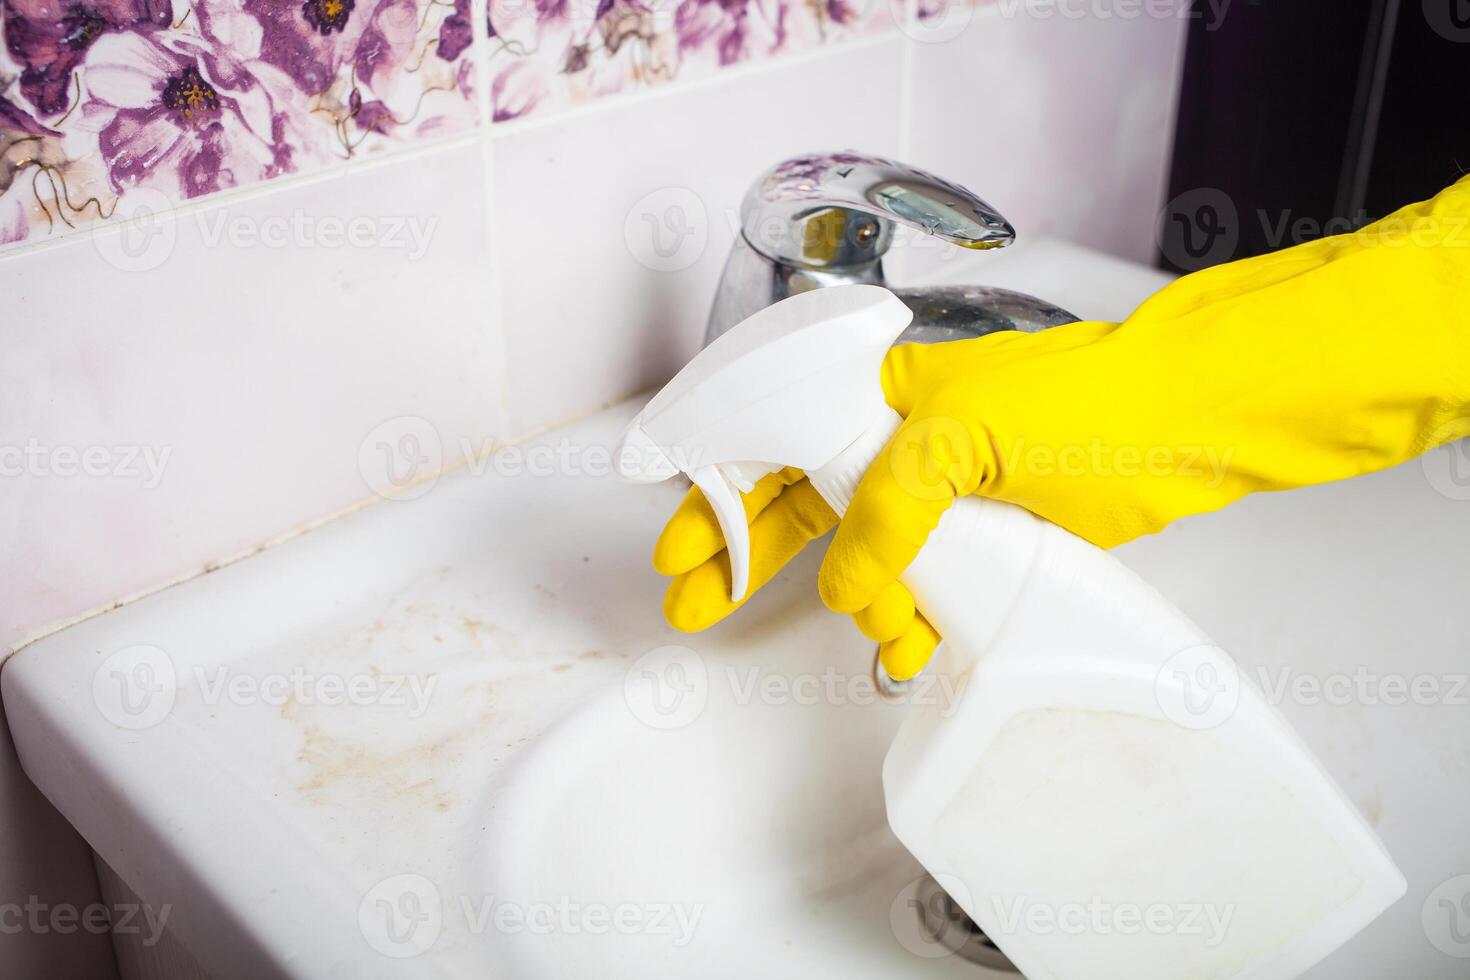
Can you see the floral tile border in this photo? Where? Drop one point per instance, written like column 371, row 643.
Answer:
column 104, row 99
column 107, row 102
column 543, row 55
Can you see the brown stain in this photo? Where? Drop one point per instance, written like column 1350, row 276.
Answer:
column 340, row 767
column 333, row 762
column 472, row 627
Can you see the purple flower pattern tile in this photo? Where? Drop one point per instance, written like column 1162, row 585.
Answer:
column 185, row 98
column 552, row 53
column 189, row 97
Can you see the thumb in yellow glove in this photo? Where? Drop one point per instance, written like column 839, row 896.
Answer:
column 1315, row 363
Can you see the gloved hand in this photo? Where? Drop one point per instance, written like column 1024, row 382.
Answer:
column 1322, row 361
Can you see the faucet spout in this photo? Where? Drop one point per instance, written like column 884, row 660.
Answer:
column 827, row 219
column 836, row 210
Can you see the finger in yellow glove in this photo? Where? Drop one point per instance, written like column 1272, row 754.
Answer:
column 784, row 512
column 1315, row 363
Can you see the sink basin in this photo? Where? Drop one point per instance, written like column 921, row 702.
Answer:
column 727, row 802
column 452, row 737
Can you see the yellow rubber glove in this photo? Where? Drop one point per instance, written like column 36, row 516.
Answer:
column 1319, row 362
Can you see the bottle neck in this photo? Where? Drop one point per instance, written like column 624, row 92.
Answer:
column 838, row 480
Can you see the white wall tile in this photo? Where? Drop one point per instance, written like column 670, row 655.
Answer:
column 587, row 318
column 257, row 369
column 1063, row 122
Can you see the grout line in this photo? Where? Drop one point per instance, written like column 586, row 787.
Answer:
column 244, row 195
column 732, row 74
column 906, row 82
column 485, row 451
column 493, row 322
column 480, row 27
column 199, row 571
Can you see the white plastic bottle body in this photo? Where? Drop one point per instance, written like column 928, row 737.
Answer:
column 1104, row 763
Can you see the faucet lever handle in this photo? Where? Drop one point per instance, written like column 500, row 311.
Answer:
column 838, row 210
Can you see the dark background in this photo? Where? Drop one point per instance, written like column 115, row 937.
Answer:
column 1299, row 118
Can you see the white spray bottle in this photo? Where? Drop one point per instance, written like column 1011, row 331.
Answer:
column 1108, row 798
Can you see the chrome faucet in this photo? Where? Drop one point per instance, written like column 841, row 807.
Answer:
column 827, row 219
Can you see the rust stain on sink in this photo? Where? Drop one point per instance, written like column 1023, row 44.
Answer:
column 335, row 762
column 492, row 691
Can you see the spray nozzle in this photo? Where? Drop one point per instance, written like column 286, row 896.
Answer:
column 793, row 385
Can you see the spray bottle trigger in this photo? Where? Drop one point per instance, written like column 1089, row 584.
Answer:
column 729, row 510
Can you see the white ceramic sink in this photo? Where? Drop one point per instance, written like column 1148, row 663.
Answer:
column 452, row 737
column 749, row 836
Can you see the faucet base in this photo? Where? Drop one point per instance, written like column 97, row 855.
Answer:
column 957, row 312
